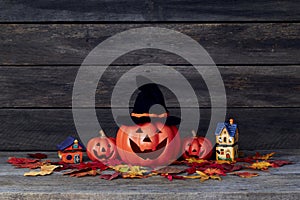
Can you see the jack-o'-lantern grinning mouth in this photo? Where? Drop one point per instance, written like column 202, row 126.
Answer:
column 102, row 156
column 149, row 153
column 196, row 156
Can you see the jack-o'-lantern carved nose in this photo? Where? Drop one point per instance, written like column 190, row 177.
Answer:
column 147, row 139
column 194, row 150
column 103, row 149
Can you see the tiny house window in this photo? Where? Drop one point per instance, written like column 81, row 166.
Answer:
column 220, row 139
column 225, row 139
column 230, row 140
column 222, row 151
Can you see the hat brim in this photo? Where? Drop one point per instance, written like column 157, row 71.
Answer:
column 130, row 121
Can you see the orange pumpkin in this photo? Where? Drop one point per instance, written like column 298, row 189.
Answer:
column 198, row 147
column 148, row 144
column 101, row 148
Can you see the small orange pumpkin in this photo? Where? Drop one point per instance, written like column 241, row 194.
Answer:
column 198, row 147
column 101, row 148
column 148, row 144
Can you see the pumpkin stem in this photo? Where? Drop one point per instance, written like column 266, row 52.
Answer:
column 102, row 134
column 194, row 133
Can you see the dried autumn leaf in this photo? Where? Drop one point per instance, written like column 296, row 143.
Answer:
column 18, row 161
column 112, row 162
column 37, row 155
column 170, row 177
column 263, row 157
column 195, row 160
column 236, row 168
column 224, row 161
column 263, row 165
column 169, row 170
column 93, row 165
column 191, row 170
column 134, row 170
column 133, row 175
column 214, row 171
column 30, row 165
column 245, row 174
column 203, row 177
column 121, row 168
column 45, row 170
column 279, row 163
column 110, row 176
column 91, row 172
column 247, row 160
column 82, row 172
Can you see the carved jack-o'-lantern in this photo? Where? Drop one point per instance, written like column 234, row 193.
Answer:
column 198, row 147
column 148, row 144
column 101, row 148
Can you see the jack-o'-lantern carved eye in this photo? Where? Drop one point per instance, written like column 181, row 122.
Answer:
column 98, row 144
column 139, row 130
column 158, row 131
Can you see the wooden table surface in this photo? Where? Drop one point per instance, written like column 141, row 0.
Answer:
column 278, row 183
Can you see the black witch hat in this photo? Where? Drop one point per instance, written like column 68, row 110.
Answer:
column 149, row 105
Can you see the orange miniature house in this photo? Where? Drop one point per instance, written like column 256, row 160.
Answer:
column 227, row 141
column 70, row 150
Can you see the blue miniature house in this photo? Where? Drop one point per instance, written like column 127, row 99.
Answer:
column 227, row 141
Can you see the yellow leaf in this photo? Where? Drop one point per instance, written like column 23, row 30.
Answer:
column 45, row 170
column 224, row 162
column 215, row 177
column 137, row 170
column 195, row 160
column 192, row 177
column 264, row 157
column 120, row 168
column 260, row 165
column 205, row 177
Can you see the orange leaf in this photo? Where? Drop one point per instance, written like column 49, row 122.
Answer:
column 214, row 171
column 245, row 174
column 263, row 157
column 92, row 172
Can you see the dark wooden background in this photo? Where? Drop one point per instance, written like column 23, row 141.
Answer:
column 254, row 44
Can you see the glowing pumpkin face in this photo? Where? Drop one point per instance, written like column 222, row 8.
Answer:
column 198, row 147
column 101, row 148
column 149, row 144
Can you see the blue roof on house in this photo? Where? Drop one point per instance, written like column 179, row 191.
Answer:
column 68, row 142
column 230, row 128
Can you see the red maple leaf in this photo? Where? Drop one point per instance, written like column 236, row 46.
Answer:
column 110, row 176
column 279, row 163
column 171, row 177
column 37, row 155
column 19, row 161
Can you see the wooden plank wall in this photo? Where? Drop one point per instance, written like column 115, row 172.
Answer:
column 254, row 44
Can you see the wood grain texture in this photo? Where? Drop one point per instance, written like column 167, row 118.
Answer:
column 148, row 10
column 43, row 129
column 246, row 86
column 58, row 44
